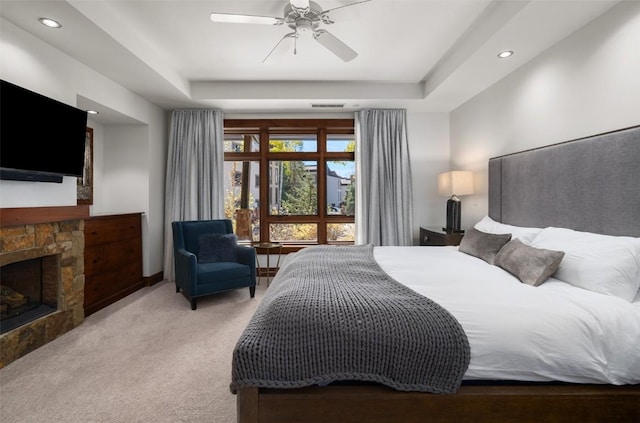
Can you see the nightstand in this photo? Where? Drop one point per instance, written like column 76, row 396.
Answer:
column 439, row 237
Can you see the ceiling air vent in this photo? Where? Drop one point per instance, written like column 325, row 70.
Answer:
column 327, row 106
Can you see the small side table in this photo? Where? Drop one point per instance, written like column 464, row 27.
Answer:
column 268, row 246
column 439, row 237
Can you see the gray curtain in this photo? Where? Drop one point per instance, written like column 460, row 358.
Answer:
column 194, row 188
column 383, row 176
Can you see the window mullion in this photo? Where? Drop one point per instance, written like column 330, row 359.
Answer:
column 322, row 186
column 264, row 185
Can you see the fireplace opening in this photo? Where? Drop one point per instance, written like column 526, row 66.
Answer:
column 28, row 291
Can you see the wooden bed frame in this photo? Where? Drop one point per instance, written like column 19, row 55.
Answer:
column 490, row 404
column 612, row 160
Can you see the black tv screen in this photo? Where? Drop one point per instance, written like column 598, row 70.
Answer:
column 39, row 135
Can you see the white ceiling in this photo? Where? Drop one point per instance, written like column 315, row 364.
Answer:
column 419, row 54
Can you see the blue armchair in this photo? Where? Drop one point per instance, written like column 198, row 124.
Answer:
column 199, row 279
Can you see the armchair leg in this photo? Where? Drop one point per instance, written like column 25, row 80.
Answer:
column 252, row 291
column 177, row 287
column 194, row 303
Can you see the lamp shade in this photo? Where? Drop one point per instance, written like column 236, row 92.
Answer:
column 455, row 182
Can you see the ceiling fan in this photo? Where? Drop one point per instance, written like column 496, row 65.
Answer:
column 302, row 16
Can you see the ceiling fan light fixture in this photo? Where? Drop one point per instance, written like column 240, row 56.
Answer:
column 302, row 16
column 301, row 5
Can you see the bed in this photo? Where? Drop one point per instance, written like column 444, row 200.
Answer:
column 584, row 369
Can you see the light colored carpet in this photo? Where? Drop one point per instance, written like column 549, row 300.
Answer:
column 145, row 358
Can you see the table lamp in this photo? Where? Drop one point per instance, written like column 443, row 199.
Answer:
column 452, row 184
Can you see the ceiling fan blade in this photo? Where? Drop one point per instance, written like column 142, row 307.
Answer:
column 346, row 5
column 290, row 35
column 252, row 19
column 333, row 44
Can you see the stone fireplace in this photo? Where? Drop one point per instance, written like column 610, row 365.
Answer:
column 29, row 290
column 42, row 278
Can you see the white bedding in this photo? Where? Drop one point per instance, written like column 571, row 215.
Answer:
column 518, row 332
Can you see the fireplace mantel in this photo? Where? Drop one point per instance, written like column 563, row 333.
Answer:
column 34, row 215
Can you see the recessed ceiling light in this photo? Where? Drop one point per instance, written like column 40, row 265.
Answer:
column 92, row 112
column 505, row 54
column 50, row 23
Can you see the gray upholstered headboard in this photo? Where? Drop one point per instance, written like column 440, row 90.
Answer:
column 590, row 184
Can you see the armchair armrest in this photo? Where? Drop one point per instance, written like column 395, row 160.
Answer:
column 186, row 270
column 247, row 255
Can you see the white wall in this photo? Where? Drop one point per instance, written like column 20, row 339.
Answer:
column 428, row 135
column 38, row 194
column 586, row 84
column 135, row 150
column 125, row 165
column 153, row 220
column 98, row 206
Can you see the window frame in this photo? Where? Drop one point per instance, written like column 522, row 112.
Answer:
column 264, row 128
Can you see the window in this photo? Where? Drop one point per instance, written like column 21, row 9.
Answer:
column 307, row 171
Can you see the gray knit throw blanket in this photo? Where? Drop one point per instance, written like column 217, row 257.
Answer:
column 332, row 314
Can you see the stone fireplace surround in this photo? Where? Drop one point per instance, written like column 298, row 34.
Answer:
column 44, row 232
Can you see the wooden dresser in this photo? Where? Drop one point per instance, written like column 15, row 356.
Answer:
column 112, row 259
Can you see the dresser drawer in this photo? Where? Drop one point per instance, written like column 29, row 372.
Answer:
column 112, row 259
column 103, row 229
column 106, row 257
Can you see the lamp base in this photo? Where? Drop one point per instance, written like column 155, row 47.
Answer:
column 454, row 212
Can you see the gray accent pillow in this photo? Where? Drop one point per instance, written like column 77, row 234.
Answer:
column 532, row 266
column 217, row 247
column 483, row 245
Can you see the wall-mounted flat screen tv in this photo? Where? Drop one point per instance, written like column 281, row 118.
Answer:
column 41, row 139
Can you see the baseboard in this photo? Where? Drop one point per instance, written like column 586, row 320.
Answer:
column 153, row 279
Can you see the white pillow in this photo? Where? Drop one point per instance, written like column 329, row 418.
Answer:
column 490, row 226
column 600, row 263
